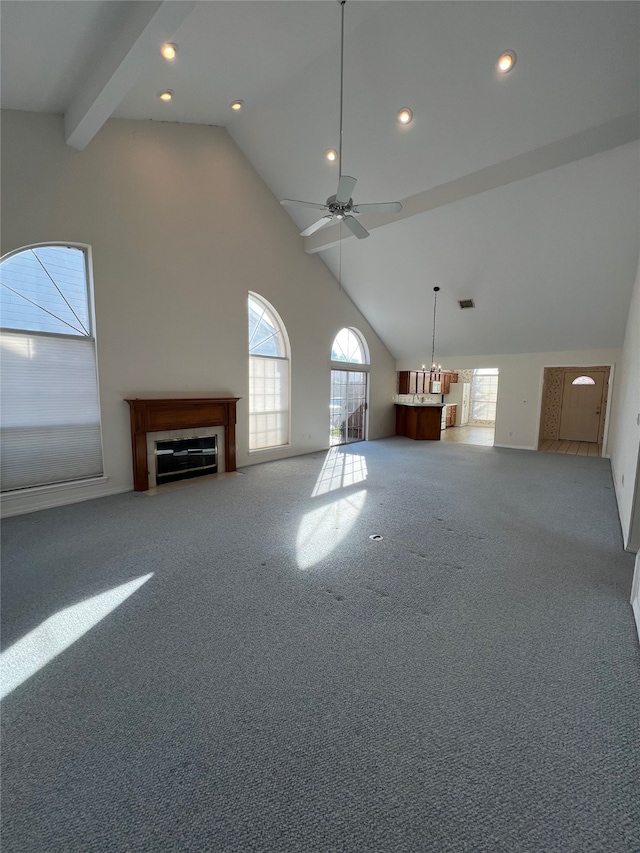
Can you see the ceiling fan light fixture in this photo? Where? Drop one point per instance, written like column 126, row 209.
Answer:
column 167, row 95
column 405, row 116
column 506, row 61
column 331, row 154
column 169, row 50
column 236, row 106
column 340, row 207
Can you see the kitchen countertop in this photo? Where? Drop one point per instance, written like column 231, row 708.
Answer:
column 424, row 405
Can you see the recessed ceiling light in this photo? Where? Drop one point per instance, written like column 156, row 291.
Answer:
column 237, row 106
column 405, row 116
column 166, row 95
column 506, row 61
column 331, row 154
column 169, row 50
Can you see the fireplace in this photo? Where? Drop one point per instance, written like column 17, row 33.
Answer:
column 182, row 419
column 184, row 458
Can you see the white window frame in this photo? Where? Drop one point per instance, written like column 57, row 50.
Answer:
column 269, row 362
column 43, row 481
column 492, row 374
column 363, row 365
column 352, row 367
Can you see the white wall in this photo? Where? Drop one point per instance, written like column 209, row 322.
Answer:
column 181, row 228
column 624, row 437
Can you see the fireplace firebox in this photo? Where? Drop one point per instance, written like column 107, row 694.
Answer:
column 183, row 458
column 179, row 413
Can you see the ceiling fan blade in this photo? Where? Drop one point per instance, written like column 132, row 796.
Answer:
column 354, row 226
column 380, row 207
column 316, row 226
column 345, row 188
column 293, row 203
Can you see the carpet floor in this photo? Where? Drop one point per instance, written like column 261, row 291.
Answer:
column 256, row 673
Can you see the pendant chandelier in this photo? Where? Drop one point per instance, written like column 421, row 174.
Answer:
column 435, row 368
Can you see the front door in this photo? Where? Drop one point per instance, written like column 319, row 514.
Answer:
column 348, row 406
column 582, row 396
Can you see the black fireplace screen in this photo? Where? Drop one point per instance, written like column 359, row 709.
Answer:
column 181, row 458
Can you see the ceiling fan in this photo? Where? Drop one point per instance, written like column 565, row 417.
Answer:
column 340, row 207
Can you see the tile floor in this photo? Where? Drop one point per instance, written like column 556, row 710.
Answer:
column 469, row 435
column 484, row 436
column 573, row 448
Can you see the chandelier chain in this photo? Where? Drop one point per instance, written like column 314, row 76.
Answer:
column 433, row 337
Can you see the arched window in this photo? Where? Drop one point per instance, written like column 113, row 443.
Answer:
column 349, row 388
column 349, row 346
column 583, row 380
column 268, row 376
column 50, row 417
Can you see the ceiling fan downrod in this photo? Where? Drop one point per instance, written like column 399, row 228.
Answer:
column 340, row 207
column 342, row 4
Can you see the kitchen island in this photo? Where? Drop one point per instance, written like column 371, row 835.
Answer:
column 420, row 421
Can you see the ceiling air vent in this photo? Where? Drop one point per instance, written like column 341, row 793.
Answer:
column 466, row 303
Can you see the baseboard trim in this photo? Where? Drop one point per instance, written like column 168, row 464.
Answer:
column 514, row 446
column 635, row 593
column 635, row 606
column 24, row 503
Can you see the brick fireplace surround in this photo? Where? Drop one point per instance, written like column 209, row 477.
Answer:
column 179, row 413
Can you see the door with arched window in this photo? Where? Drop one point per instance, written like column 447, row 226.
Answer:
column 582, row 405
column 348, row 401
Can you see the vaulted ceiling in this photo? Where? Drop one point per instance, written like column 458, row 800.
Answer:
column 519, row 191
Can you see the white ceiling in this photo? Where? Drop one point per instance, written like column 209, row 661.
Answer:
column 520, row 192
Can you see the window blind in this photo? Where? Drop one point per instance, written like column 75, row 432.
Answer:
column 49, row 412
column 269, row 395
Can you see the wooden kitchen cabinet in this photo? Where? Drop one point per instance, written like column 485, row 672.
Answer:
column 446, row 377
column 421, row 423
column 448, row 416
column 417, row 381
column 413, row 382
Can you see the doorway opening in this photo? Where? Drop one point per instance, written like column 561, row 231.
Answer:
column 475, row 397
column 573, row 412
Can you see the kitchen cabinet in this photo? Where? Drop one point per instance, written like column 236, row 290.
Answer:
column 413, row 382
column 451, row 416
column 421, row 423
column 417, row 381
column 446, row 378
column 448, row 416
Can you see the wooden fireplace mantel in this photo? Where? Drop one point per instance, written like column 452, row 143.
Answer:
column 179, row 413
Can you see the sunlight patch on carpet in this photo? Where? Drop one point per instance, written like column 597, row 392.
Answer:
column 340, row 469
column 29, row 654
column 321, row 530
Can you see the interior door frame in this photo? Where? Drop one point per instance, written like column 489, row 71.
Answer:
column 547, row 402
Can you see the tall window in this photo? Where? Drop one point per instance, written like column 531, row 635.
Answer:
column 268, row 376
column 484, row 395
column 348, row 401
column 50, row 415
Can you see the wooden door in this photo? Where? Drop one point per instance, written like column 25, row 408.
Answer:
column 581, row 405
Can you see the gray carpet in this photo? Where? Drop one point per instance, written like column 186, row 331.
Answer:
column 470, row 682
